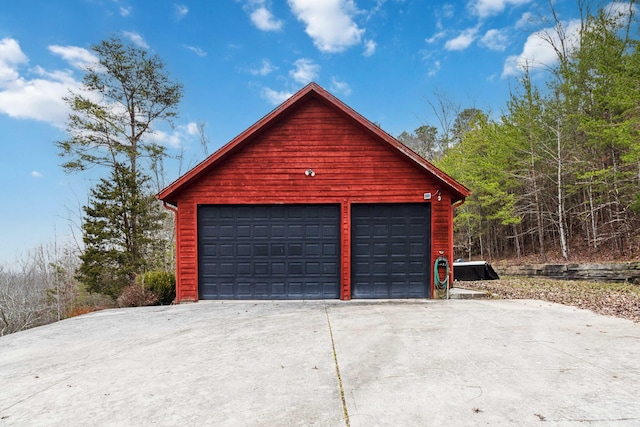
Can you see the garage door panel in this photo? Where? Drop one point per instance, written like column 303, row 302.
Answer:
column 416, row 267
column 398, row 249
column 208, row 249
column 417, row 229
column 330, row 230
column 295, row 268
column 261, row 269
column 226, row 288
column 260, row 250
column 226, row 250
column 227, row 269
column 329, row 268
column 244, row 249
column 417, row 248
column 269, row 252
column 260, row 231
column 245, row 269
column 245, row 289
column 312, row 249
column 262, row 287
column 294, row 230
column 277, row 249
column 278, row 231
column 360, row 229
column 278, row 268
column 313, row 268
column 312, row 231
column 379, row 249
column 226, row 232
column 313, row 288
column 295, row 249
column 380, row 268
column 329, row 249
column 390, row 249
column 398, row 268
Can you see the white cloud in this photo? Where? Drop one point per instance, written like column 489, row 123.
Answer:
column 305, row 71
column 538, row 51
column 261, row 16
column 264, row 20
column 525, row 21
column 463, row 41
column 376, row 9
column 38, row 94
column 448, row 10
column 486, row 8
column 38, row 98
column 36, row 174
column 495, row 40
column 192, row 128
column 329, row 23
column 78, row 57
column 197, row 51
column 434, row 69
column 10, row 56
column 340, row 87
column 266, row 68
column 125, row 10
column 175, row 138
column 181, row 10
column 275, row 97
column 369, row 48
column 436, row 37
column 136, row 38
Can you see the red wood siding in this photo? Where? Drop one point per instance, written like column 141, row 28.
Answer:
column 442, row 234
column 187, row 252
column 345, row 267
column 351, row 165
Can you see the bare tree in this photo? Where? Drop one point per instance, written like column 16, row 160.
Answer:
column 446, row 112
column 41, row 289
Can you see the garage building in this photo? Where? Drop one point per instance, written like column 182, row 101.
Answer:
column 311, row 202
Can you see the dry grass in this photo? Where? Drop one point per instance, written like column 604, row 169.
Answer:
column 612, row 299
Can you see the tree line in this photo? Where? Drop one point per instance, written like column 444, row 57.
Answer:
column 557, row 175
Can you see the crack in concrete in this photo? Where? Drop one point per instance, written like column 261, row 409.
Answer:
column 335, row 359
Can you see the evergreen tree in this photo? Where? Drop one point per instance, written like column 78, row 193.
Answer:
column 123, row 95
column 116, row 247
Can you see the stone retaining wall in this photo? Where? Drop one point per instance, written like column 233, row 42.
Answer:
column 619, row 272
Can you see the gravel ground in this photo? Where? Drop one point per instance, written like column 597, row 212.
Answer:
column 612, row 299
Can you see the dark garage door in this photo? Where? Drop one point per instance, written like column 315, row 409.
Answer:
column 390, row 247
column 268, row 252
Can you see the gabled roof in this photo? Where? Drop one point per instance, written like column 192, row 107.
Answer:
column 311, row 90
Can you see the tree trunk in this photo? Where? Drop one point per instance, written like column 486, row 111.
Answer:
column 561, row 216
column 594, row 225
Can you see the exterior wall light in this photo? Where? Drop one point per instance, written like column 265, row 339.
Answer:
column 310, row 172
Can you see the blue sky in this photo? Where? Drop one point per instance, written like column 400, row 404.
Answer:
column 237, row 60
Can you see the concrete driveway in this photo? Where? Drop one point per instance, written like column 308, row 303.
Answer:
column 333, row 363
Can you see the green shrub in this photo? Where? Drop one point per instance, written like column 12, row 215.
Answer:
column 161, row 283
